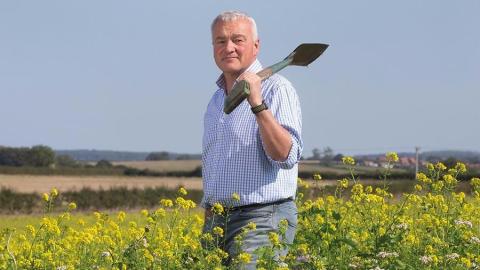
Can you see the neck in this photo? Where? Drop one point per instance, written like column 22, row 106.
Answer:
column 229, row 81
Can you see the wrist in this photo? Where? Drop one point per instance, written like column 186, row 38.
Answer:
column 261, row 107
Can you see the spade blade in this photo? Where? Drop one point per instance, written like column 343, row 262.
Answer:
column 306, row 53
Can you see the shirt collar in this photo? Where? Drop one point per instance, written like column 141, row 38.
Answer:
column 256, row 66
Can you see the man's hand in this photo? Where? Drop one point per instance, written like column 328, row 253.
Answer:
column 255, row 97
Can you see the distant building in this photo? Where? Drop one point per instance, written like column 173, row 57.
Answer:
column 370, row 163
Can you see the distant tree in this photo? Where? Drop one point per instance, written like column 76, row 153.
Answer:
column 316, row 155
column 65, row 161
column 450, row 162
column 41, row 156
column 104, row 164
column 10, row 156
column 158, row 156
column 338, row 157
column 327, row 157
column 431, row 159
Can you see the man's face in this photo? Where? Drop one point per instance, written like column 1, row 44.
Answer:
column 234, row 48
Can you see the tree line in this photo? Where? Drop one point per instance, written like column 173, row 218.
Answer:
column 35, row 156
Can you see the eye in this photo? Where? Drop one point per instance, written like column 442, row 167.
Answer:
column 220, row 42
column 238, row 40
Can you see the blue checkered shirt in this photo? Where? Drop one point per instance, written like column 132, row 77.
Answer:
column 233, row 155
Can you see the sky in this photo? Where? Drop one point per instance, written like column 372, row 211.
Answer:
column 137, row 75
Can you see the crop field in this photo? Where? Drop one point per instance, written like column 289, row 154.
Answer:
column 306, row 168
column 162, row 165
column 40, row 183
column 433, row 226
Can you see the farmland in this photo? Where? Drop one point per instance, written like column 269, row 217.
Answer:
column 433, row 226
column 42, row 183
column 305, row 166
column 162, row 165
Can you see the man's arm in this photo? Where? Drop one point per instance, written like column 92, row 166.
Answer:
column 276, row 139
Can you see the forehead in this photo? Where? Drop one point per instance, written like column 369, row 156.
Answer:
column 236, row 27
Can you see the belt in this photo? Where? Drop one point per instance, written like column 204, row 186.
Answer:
column 236, row 208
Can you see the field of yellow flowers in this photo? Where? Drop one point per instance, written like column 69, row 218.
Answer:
column 432, row 227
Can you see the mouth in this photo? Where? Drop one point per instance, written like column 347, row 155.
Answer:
column 229, row 58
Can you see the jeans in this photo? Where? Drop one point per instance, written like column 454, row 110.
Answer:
column 267, row 219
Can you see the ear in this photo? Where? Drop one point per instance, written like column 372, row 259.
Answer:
column 256, row 45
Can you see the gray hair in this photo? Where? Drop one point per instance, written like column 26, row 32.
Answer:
column 229, row 16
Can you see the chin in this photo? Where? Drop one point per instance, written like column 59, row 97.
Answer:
column 231, row 69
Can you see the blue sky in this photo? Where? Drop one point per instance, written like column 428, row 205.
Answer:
column 137, row 75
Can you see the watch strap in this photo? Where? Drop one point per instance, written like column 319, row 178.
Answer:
column 259, row 108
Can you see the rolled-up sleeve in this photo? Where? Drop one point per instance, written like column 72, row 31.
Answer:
column 285, row 106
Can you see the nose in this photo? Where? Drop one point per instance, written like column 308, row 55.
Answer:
column 230, row 46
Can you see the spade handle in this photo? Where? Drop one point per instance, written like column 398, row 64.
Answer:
column 241, row 90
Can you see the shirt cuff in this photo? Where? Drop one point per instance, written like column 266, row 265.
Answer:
column 292, row 158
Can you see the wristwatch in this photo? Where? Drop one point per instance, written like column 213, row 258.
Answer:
column 259, row 108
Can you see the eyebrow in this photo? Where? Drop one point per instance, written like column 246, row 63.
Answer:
column 233, row 36
column 239, row 35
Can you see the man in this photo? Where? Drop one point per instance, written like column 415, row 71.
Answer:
column 249, row 156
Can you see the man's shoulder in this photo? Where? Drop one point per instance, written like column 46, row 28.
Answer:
column 278, row 79
column 277, row 83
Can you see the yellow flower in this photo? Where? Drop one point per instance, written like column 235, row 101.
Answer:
column 121, row 216
column 244, row 257
column 166, row 203
column 207, row 237
column 217, row 208
column 430, row 167
column 213, row 258
column 54, row 192
column 236, row 197
column 343, row 183
column 218, row 231
column 144, row 212
column 303, row 249
column 160, row 212
column 466, row 262
column 348, row 160
column 251, row 226
column 317, row 177
column 182, row 191
column 392, row 157
column 45, row 197
column 72, row 206
column 475, row 182
column 450, row 180
column 30, row 229
column 423, row 178
column 460, row 167
column 274, row 238
column 357, row 189
column 319, row 219
column 185, row 204
column 440, row 166
column 418, row 187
